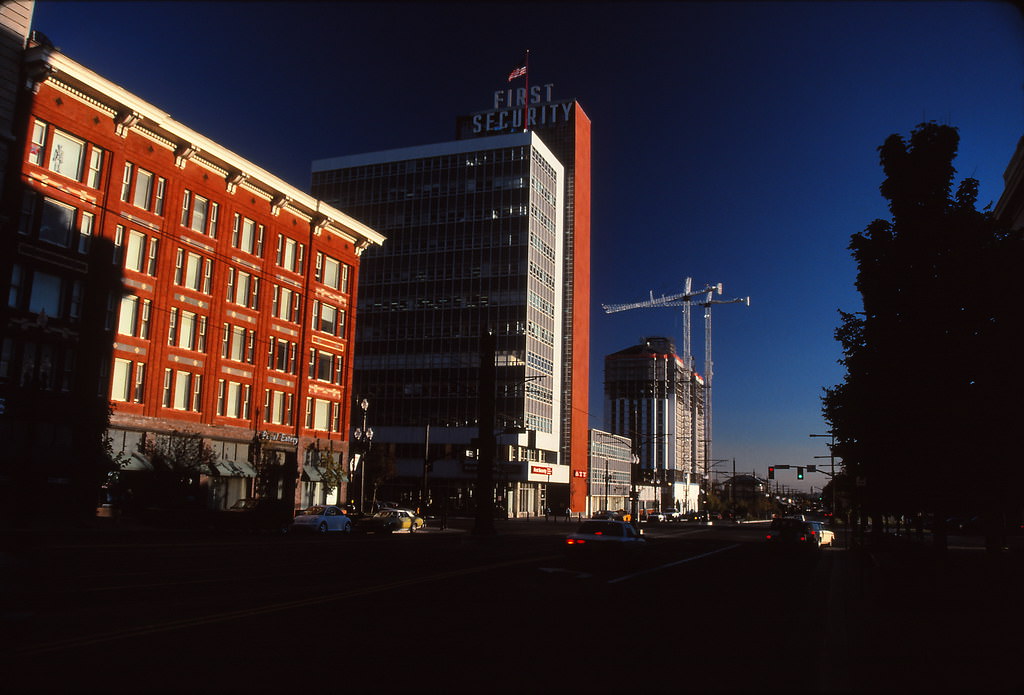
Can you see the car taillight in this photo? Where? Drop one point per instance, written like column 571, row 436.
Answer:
column 575, row 541
column 769, row 536
column 803, row 538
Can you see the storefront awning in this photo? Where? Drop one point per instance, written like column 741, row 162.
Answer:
column 137, row 462
column 234, row 469
column 312, row 474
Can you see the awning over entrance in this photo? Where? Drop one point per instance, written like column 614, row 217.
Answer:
column 234, row 469
column 137, row 462
column 312, row 474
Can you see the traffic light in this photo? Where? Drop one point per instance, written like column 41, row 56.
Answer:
column 812, row 468
column 799, row 472
column 771, row 472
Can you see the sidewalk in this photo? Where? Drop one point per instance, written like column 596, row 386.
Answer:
column 918, row 619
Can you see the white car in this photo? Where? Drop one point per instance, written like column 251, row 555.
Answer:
column 322, row 519
column 828, row 537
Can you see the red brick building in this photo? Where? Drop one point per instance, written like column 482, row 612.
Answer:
column 152, row 269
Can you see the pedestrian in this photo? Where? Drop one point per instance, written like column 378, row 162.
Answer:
column 547, row 512
column 568, row 515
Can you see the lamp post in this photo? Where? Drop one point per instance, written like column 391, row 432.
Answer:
column 364, row 436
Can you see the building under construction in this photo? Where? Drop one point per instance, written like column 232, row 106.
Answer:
column 655, row 401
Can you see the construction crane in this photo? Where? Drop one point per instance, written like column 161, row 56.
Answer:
column 684, row 299
column 709, row 371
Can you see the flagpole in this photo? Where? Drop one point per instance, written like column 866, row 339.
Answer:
column 526, row 98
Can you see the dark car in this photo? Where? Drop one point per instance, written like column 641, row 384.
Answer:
column 797, row 533
column 604, row 539
column 254, row 515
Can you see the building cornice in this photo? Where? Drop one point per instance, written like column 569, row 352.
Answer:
column 45, row 64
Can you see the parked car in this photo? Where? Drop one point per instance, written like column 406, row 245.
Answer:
column 795, row 532
column 607, row 514
column 604, row 539
column 393, row 521
column 257, row 515
column 656, row 517
column 322, row 519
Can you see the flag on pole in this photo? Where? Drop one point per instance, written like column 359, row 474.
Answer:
column 518, row 72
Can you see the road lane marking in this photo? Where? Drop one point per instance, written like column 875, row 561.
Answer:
column 672, row 564
column 172, row 625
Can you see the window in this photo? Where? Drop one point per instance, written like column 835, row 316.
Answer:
column 64, row 154
column 56, row 223
column 290, row 253
column 140, row 382
column 237, row 352
column 147, row 305
column 37, row 150
column 243, row 288
column 323, row 366
column 182, row 390
column 151, row 264
column 247, row 235
column 120, row 389
column 286, row 304
column 135, row 254
column 187, row 330
column 332, row 272
column 328, row 319
column 199, row 208
column 193, row 271
column 233, row 399
column 168, row 387
column 321, row 414
column 44, row 365
column 95, row 168
column 128, row 318
column 38, row 292
column 118, row 252
column 67, row 155
column 278, row 407
column 16, row 292
column 281, row 355
column 45, row 295
column 143, row 189
column 85, row 230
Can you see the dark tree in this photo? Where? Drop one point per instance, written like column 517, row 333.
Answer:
column 179, row 459
column 925, row 415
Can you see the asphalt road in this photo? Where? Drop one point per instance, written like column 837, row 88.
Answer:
column 706, row 608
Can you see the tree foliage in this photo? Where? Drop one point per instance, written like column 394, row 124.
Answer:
column 924, row 415
column 179, row 459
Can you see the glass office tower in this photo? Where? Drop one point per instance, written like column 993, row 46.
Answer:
column 475, row 243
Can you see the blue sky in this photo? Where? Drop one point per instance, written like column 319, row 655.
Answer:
column 732, row 142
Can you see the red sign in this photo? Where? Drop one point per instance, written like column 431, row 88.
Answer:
column 579, row 474
column 541, row 470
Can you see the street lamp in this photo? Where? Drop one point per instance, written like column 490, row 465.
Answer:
column 364, row 436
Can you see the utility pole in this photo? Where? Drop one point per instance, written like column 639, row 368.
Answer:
column 484, row 524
